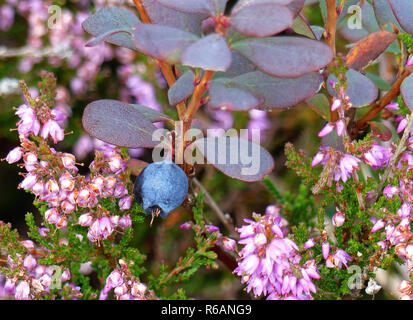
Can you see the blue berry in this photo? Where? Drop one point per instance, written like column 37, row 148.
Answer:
column 161, row 188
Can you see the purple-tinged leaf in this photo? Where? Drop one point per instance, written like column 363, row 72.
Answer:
column 403, row 10
column 361, row 90
column 165, row 16
column 318, row 31
column 239, row 65
column 384, row 13
column 161, row 42
column 332, row 140
column 285, row 57
column 151, row 114
column 118, row 123
column 104, row 37
column 182, row 88
column 406, row 90
column 320, row 104
column 296, row 6
column 262, row 20
column 227, row 95
column 280, row 93
column 211, row 7
column 209, row 53
column 380, row 131
column 113, row 25
column 349, row 20
column 240, row 159
column 369, row 49
column 244, row 3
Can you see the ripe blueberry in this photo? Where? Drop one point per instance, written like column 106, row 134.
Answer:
column 161, row 188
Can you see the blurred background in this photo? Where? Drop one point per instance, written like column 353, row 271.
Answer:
column 29, row 45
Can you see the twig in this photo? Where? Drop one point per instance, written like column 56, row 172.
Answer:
column 387, row 98
column 214, row 207
column 400, row 148
column 196, row 97
column 331, row 39
column 166, row 68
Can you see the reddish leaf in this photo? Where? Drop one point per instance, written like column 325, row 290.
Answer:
column 380, row 131
column 111, row 24
column 403, row 10
column 368, row 49
column 160, row 14
column 211, row 7
column 118, row 123
column 262, row 19
column 406, row 90
column 136, row 166
column 208, row 53
column 161, row 42
column 361, row 90
column 285, row 57
column 240, row 159
column 182, row 88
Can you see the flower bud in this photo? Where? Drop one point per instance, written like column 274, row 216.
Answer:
column 125, row 203
column 85, row 220
column 338, row 219
column 228, row 244
column 30, row 262
column 14, row 155
column 125, row 222
column 68, row 160
column 22, row 291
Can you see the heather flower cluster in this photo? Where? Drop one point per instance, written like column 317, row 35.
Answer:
column 125, row 286
column 30, row 280
column 270, row 262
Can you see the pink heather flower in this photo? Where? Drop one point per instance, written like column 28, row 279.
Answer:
column 273, row 211
column 52, row 215
column 22, row 291
column 341, row 257
column 68, row 160
column 29, row 122
column 105, row 228
column 125, row 203
column 347, row 165
column 338, row 219
column 125, row 222
column 378, row 225
column 44, row 231
column 393, row 106
column 325, row 249
column 402, row 125
column 29, row 262
column 85, row 220
column 186, row 225
column 378, row 157
column 52, row 186
column 65, row 276
column 211, row 228
column 114, row 221
column 28, row 244
column 114, row 279
column 340, row 126
column 92, row 233
column 120, row 190
column 404, row 211
column 115, row 163
column 309, row 244
column 14, row 155
column 336, row 104
column 228, row 244
column 269, row 262
column 390, row 191
column 328, row 128
column 67, row 182
column 29, row 181
column 138, row 289
column 318, row 158
column 52, row 129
